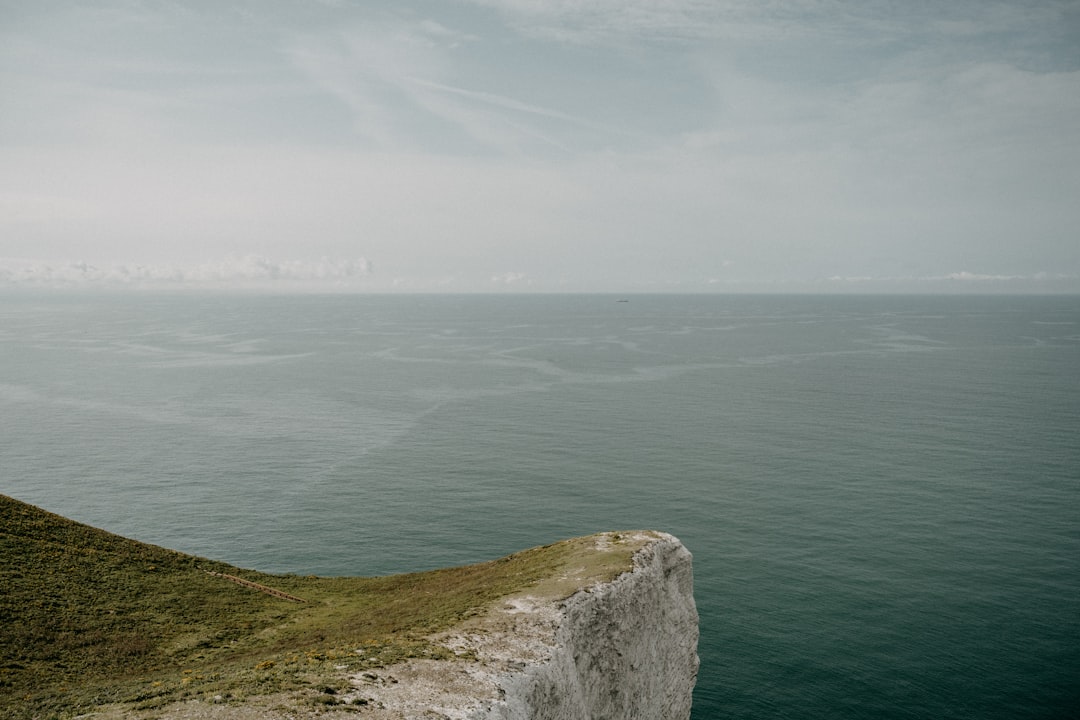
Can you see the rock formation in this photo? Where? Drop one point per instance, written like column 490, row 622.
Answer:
column 624, row 648
column 608, row 630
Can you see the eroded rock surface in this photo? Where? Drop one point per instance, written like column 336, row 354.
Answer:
column 624, row 648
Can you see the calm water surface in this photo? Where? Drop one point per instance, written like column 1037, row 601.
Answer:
column 882, row 494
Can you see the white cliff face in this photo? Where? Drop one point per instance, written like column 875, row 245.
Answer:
column 614, row 650
column 625, row 649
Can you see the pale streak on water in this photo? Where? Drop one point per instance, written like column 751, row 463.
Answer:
column 882, row 494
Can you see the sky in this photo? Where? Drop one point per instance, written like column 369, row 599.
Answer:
column 541, row 145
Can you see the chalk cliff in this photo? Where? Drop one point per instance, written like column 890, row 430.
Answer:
column 621, row 648
column 610, row 634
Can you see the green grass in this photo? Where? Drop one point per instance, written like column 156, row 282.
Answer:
column 88, row 618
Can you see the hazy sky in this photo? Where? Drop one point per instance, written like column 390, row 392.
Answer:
column 542, row 145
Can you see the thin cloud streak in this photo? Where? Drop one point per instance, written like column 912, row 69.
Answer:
column 862, row 22
column 508, row 103
column 387, row 73
column 251, row 272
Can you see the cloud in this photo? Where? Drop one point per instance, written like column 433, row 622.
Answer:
column 954, row 278
column 248, row 272
column 751, row 22
column 966, row 276
column 387, row 71
column 511, row 278
column 364, row 69
column 601, row 144
column 604, row 21
column 401, row 80
column 508, row 103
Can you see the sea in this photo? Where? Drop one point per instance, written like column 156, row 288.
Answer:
column 881, row 493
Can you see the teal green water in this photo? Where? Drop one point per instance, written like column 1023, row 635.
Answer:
column 882, row 494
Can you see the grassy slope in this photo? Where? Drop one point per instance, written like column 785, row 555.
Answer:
column 88, row 617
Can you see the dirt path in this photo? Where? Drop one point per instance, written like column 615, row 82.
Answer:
column 257, row 586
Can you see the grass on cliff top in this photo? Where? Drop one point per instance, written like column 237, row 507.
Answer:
column 88, row 618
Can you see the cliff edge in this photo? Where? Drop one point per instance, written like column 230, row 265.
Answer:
column 104, row 627
column 621, row 648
